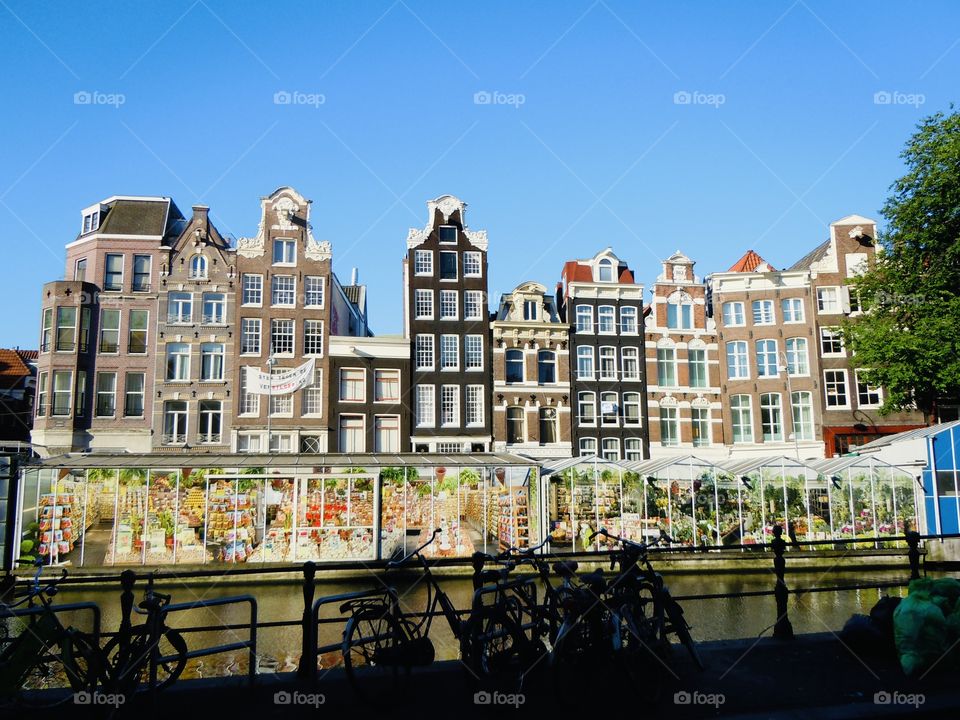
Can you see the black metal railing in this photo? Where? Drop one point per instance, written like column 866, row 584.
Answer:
column 311, row 621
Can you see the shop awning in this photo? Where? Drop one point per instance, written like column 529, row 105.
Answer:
column 146, row 461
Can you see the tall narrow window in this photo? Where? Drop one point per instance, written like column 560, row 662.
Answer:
column 472, row 264
column 113, row 273
column 42, row 396
column 531, row 310
column 80, row 270
column 425, row 406
column 473, row 352
column 109, row 331
column 423, row 304
column 867, row 395
column 611, row 449
column 835, row 385
column 546, row 367
column 475, row 395
column 802, row 403
column 46, row 332
column 106, row 394
column 423, row 262
column 514, row 363
column 633, row 449
column 737, row 366
column 548, row 425
column 449, row 352
column 608, row 363
column 771, row 417
column 80, row 401
column 174, row 422
column 472, row 304
column 137, row 332
column 608, row 408
column 585, row 363
column 214, row 308
column 763, row 312
column 680, row 315
column 587, row 408
column 62, row 392
column 211, row 361
column 198, row 267
column 767, row 358
column 605, row 270
column 628, row 320
column 283, row 290
column 249, row 402
column 66, row 329
column 516, row 420
column 584, row 318
column 423, row 355
column 250, row 336
column 386, row 386
column 631, row 408
column 313, row 291
column 666, row 367
column 178, row 361
column 141, row 273
column 134, row 394
column 697, row 366
column 281, row 337
column 588, row 446
column 313, row 337
column 630, row 361
column 386, row 434
column 450, row 405
column 448, row 305
column 448, row 265
column 669, row 426
column 606, row 320
column 252, row 289
column 700, row 422
column 211, row 421
column 312, row 397
column 792, row 310
column 742, row 418
column 797, row 361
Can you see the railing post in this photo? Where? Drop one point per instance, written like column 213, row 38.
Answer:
column 308, row 655
column 913, row 554
column 127, row 580
column 782, row 629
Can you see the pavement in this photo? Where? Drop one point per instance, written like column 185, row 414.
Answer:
column 810, row 676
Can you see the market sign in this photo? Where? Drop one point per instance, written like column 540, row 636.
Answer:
column 282, row 383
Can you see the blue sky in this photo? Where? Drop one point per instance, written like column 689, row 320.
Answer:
column 586, row 141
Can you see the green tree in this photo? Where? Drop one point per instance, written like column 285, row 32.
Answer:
column 908, row 340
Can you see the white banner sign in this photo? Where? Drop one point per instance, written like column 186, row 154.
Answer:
column 281, row 383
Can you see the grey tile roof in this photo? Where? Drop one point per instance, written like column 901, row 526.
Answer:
column 814, row 256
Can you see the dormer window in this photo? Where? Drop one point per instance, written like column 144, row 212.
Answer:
column 605, row 270
column 531, row 310
column 198, row 268
column 91, row 221
column 447, row 234
column 284, row 251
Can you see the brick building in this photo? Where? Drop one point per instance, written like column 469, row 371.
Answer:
column 18, row 383
column 531, row 375
column 195, row 327
column 683, row 364
column 95, row 328
column 603, row 304
column 446, row 320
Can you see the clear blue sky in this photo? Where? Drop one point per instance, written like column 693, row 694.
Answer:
column 598, row 153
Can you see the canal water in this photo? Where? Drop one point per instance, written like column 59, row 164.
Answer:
column 279, row 648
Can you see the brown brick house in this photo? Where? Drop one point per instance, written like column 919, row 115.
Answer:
column 531, row 375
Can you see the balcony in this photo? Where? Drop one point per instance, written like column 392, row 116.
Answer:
column 173, row 439
column 211, row 438
column 215, row 319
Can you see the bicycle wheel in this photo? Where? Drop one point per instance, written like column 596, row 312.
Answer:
column 642, row 655
column 375, row 655
column 125, row 668
column 502, row 654
column 61, row 664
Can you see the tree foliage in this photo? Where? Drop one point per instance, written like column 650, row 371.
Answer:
column 909, row 340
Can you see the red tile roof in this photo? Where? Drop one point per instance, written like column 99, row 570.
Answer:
column 573, row 271
column 748, row 263
column 12, row 368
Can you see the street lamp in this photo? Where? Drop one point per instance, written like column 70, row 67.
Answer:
column 785, row 368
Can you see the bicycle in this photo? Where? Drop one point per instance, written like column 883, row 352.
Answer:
column 151, row 652
column 381, row 644
column 28, row 661
column 646, row 612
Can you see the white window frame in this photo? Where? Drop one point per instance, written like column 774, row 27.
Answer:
column 423, row 307
column 205, row 354
column 628, row 354
column 741, row 416
column 801, row 404
column 474, row 411
column 351, row 417
column 740, row 368
column 450, row 392
column 631, row 399
column 180, row 300
column 612, row 316
column 613, row 451
column 181, row 363
column 797, row 360
column 587, row 399
column 628, row 313
column 393, row 436
column 449, row 353
column 353, row 382
column 111, row 393
column 424, row 348
column 274, row 323
column 584, row 312
column 449, row 305
column 793, row 311
column 288, row 295
column 456, row 266
column 198, row 267
column 311, row 336
column 471, row 297
column 590, row 355
column 826, row 306
column 775, row 411
column 219, row 316
column 472, row 258
column 827, row 385
column 668, row 363
column 423, row 263
column 588, row 446
column 285, row 242
column 669, row 426
column 763, row 358
column 473, row 357
column 870, row 390
column 612, row 357
column 764, row 310
column 311, row 400
column 699, row 363
column 379, row 376
column 425, row 407
column 254, row 323
column 252, row 284
column 732, row 314
column 310, row 293
column 835, row 334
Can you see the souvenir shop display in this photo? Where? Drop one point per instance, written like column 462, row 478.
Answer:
column 63, row 518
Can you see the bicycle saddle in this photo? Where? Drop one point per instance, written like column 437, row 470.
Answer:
column 566, row 568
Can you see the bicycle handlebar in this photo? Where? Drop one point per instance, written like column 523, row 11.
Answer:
column 401, row 561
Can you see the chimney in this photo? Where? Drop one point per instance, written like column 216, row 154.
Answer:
column 200, row 212
column 354, row 276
